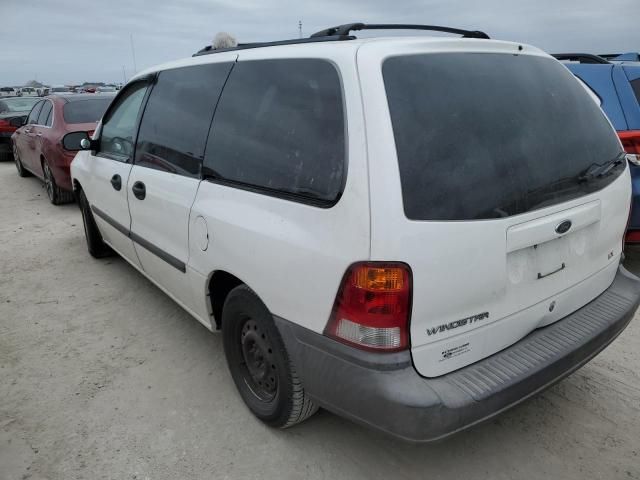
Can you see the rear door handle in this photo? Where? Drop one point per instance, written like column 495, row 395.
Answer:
column 139, row 190
column 116, row 182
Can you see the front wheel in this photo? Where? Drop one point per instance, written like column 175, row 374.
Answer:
column 259, row 363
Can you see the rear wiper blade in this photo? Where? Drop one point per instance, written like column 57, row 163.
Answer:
column 600, row 170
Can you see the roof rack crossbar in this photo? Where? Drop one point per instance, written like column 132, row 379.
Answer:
column 344, row 30
column 580, row 57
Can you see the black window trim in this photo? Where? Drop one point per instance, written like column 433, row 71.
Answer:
column 213, row 177
column 149, row 80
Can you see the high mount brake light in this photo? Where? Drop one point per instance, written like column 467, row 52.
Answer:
column 372, row 307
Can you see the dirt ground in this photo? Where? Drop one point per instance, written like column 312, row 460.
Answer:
column 103, row 377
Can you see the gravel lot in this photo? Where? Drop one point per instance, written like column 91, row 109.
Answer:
column 102, row 376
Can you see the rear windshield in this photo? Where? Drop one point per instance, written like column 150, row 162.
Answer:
column 85, row 111
column 484, row 135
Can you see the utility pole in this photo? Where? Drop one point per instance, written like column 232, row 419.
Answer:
column 133, row 54
column 299, row 28
column 124, row 75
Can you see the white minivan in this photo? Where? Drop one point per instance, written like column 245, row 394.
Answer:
column 415, row 233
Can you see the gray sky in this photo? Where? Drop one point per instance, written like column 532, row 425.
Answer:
column 71, row 41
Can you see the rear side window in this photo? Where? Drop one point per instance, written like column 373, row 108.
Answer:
column 35, row 111
column 85, row 111
column 483, row 135
column 279, row 129
column 45, row 113
column 177, row 118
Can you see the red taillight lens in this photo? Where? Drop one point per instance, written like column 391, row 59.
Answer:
column 5, row 126
column 631, row 143
column 372, row 307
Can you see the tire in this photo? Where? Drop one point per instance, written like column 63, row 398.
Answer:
column 259, row 363
column 96, row 246
column 56, row 195
column 22, row 172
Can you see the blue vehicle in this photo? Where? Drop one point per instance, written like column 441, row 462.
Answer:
column 617, row 84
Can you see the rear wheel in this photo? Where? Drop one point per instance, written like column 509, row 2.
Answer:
column 16, row 158
column 259, row 363
column 56, row 195
column 96, row 246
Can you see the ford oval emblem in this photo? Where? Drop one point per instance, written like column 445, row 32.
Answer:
column 564, row 227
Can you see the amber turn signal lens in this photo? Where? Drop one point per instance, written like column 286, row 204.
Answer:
column 376, row 278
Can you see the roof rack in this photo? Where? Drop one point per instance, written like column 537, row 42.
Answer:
column 344, row 30
column 580, row 57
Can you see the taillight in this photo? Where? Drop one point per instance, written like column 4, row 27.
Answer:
column 5, row 126
column 372, row 307
column 631, row 142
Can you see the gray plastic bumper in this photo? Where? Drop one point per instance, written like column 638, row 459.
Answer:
column 384, row 391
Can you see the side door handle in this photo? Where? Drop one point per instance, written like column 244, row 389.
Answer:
column 116, row 182
column 139, row 190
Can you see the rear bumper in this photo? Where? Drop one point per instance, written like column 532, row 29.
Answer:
column 385, row 392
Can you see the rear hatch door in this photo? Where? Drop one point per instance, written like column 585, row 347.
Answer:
column 502, row 185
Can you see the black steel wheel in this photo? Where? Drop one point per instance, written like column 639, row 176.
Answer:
column 261, row 371
column 259, row 363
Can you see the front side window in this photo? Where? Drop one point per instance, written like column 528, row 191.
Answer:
column 117, row 136
column 176, row 120
column 279, row 129
column 44, row 113
column 485, row 135
column 35, row 111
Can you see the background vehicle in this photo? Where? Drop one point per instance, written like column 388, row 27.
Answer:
column 37, row 145
column 28, row 92
column 618, row 87
column 12, row 109
column 59, row 89
column 9, row 92
column 105, row 89
column 362, row 248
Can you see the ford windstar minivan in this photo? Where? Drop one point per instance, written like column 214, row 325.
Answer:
column 415, row 233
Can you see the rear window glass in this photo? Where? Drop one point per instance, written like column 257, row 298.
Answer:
column 85, row 111
column 279, row 129
column 482, row 135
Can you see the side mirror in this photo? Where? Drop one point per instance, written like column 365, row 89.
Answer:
column 18, row 121
column 75, row 141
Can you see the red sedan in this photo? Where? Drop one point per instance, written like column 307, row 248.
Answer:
column 37, row 147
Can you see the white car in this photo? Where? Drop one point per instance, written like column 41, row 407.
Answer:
column 9, row 92
column 415, row 233
column 28, row 92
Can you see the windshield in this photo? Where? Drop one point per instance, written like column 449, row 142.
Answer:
column 85, row 111
column 484, row 135
column 17, row 104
